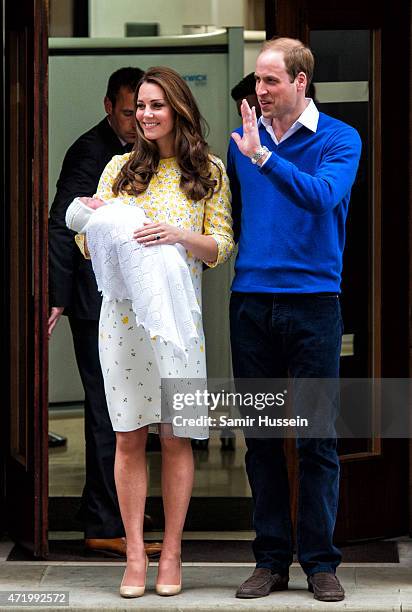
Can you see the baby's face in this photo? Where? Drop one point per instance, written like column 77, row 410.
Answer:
column 92, row 202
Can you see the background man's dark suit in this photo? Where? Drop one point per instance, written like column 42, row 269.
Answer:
column 72, row 285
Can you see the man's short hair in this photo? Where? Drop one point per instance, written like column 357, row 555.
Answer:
column 297, row 56
column 124, row 77
column 245, row 87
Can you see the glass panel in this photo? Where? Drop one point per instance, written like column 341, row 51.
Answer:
column 342, row 74
column 340, row 55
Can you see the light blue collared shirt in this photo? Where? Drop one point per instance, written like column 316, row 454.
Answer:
column 309, row 118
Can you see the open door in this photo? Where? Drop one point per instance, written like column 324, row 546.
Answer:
column 357, row 53
column 24, row 232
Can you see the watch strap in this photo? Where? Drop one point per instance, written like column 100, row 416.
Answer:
column 261, row 152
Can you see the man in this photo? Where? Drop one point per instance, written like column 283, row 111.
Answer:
column 73, row 291
column 246, row 90
column 293, row 170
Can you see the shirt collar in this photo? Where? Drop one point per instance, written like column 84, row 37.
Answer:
column 309, row 118
column 123, row 142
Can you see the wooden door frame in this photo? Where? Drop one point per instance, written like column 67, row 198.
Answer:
column 410, row 259
column 25, row 417
column 3, row 419
column 40, row 266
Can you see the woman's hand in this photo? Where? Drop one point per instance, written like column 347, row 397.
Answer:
column 249, row 143
column 152, row 234
column 201, row 246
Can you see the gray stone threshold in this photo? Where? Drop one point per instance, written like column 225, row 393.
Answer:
column 209, row 587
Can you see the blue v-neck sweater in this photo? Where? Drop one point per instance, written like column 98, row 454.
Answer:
column 292, row 211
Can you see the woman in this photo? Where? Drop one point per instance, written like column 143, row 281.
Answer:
column 184, row 192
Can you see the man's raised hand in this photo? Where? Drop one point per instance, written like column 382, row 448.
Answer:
column 249, row 143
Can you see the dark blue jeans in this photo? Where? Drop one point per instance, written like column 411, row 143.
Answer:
column 300, row 336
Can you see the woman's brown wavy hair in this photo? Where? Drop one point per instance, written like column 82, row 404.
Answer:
column 191, row 148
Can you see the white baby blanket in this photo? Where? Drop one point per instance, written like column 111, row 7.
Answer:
column 156, row 279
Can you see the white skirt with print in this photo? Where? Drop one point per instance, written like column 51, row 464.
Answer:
column 133, row 366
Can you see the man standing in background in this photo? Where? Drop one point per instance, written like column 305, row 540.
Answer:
column 246, row 90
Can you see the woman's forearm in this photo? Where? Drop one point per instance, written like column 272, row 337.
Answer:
column 201, row 246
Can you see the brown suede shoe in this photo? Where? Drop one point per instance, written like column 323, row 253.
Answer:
column 153, row 550
column 325, row 586
column 261, row 583
column 116, row 547
column 113, row 547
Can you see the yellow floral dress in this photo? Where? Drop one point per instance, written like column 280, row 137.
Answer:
column 133, row 363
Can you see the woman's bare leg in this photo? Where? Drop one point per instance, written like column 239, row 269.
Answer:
column 177, row 484
column 131, row 484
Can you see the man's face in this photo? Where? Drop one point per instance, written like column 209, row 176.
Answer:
column 121, row 116
column 278, row 96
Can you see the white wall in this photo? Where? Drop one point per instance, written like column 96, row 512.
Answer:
column 252, row 50
column 253, row 40
column 107, row 18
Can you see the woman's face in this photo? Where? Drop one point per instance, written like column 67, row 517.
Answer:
column 155, row 116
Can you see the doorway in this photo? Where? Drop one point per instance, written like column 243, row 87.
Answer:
column 374, row 494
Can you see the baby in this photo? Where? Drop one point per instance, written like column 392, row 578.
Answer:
column 155, row 279
column 92, row 202
column 79, row 213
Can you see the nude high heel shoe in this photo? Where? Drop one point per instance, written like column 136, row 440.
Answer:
column 130, row 591
column 170, row 589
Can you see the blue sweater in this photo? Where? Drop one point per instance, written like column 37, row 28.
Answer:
column 292, row 210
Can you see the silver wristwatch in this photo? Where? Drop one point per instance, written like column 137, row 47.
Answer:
column 261, row 152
